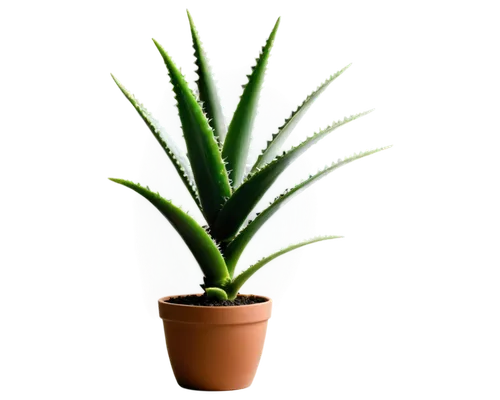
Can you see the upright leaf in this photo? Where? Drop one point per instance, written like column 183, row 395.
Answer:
column 208, row 168
column 204, row 250
column 235, row 150
column 180, row 163
column 233, row 288
column 207, row 87
column 278, row 139
column 236, row 247
column 246, row 197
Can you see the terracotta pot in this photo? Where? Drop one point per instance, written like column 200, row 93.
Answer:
column 214, row 348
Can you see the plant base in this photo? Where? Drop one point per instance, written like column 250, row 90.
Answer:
column 203, row 300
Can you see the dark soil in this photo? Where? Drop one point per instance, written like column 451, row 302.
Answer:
column 203, row 300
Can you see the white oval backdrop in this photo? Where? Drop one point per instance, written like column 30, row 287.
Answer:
column 166, row 265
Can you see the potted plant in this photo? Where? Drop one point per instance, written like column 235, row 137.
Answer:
column 215, row 339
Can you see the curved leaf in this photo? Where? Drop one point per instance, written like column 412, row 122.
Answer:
column 203, row 248
column 203, row 151
column 207, row 87
column 180, row 163
column 235, row 150
column 278, row 139
column 236, row 247
column 216, row 293
column 246, row 197
column 234, row 287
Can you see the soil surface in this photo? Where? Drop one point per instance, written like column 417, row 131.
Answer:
column 203, row 300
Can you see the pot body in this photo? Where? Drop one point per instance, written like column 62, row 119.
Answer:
column 214, row 348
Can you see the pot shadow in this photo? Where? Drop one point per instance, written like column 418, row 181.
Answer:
column 186, row 390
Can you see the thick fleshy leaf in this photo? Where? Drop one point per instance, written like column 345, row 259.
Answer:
column 233, row 251
column 237, row 143
column 216, row 293
column 203, row 151
column 246, row 197
column 181, row 164
column 278, row 139
column 207, row 87
column 204, row 249
column 234, row 287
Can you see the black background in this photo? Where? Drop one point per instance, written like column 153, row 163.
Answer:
column 344, row 326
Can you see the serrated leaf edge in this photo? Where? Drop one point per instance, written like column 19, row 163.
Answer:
column 181, row 163
column 297, row 113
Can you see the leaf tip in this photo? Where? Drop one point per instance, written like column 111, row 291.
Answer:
column 154, row 41
column 114, row 78
column 188, row 14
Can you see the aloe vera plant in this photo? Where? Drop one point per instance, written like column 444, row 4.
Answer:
column 214, row 171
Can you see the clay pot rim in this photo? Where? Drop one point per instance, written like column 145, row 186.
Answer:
column 162, row 301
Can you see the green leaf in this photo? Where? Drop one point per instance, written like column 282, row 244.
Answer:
column 204, row 250
column 216, row 293
column 180, row 163
column 203, row 151
column 234, row 287
column 236, row 247
column 246, row 197
column 207, row 87
column 278, row 139
column 235, row 150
